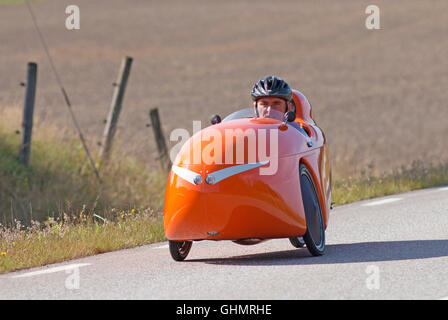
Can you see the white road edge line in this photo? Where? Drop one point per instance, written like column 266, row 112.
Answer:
column 51, row 270
column 375, row 203
column 162, row 247
column 443, row 189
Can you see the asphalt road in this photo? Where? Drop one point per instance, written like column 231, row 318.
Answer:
column 394, row 247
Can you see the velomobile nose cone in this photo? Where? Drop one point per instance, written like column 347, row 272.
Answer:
column 249, row 186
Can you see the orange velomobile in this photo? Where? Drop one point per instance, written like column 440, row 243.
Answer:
column 249, row 179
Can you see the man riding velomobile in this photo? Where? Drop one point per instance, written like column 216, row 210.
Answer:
column 259, row 174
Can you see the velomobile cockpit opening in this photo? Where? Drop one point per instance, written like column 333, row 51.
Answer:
column 274, row 114
column 240, row 114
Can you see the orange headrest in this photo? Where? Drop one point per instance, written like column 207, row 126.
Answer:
column 303, row 107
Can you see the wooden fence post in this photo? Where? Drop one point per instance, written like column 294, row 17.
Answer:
column 165, row 161
column 28, row 111
column 115, row 108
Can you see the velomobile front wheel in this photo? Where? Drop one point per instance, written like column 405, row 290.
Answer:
column 179, row 249
column 315, row 229
column 297, row 242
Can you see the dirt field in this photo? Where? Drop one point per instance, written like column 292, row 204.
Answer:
column 380, row 95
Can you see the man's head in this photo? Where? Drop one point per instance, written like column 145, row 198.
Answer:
column 272, row 97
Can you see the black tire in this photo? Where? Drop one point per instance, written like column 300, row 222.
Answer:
column 179, row 249
column 297, row 242
column 315, row 231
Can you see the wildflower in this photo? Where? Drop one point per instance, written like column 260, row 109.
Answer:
column 3, row 253
column 133, row 210
column 122, row 216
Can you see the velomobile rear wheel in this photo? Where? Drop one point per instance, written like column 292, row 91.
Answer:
column 315, row 231
column 179, row 249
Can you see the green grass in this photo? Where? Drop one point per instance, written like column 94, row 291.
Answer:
column 368, row 185
column 60, row 181
column 55, row 210
column 55, row 241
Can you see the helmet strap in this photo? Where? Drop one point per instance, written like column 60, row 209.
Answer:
column 256, row 109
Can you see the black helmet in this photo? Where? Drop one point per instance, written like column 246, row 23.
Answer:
column 271, row 86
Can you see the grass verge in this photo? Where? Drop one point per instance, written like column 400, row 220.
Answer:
column 55, row 209
column 418, row 175
column 56, row 241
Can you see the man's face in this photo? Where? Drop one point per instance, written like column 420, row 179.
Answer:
column 270, row 107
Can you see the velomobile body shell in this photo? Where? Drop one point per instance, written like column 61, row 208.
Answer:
column 248, row 204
